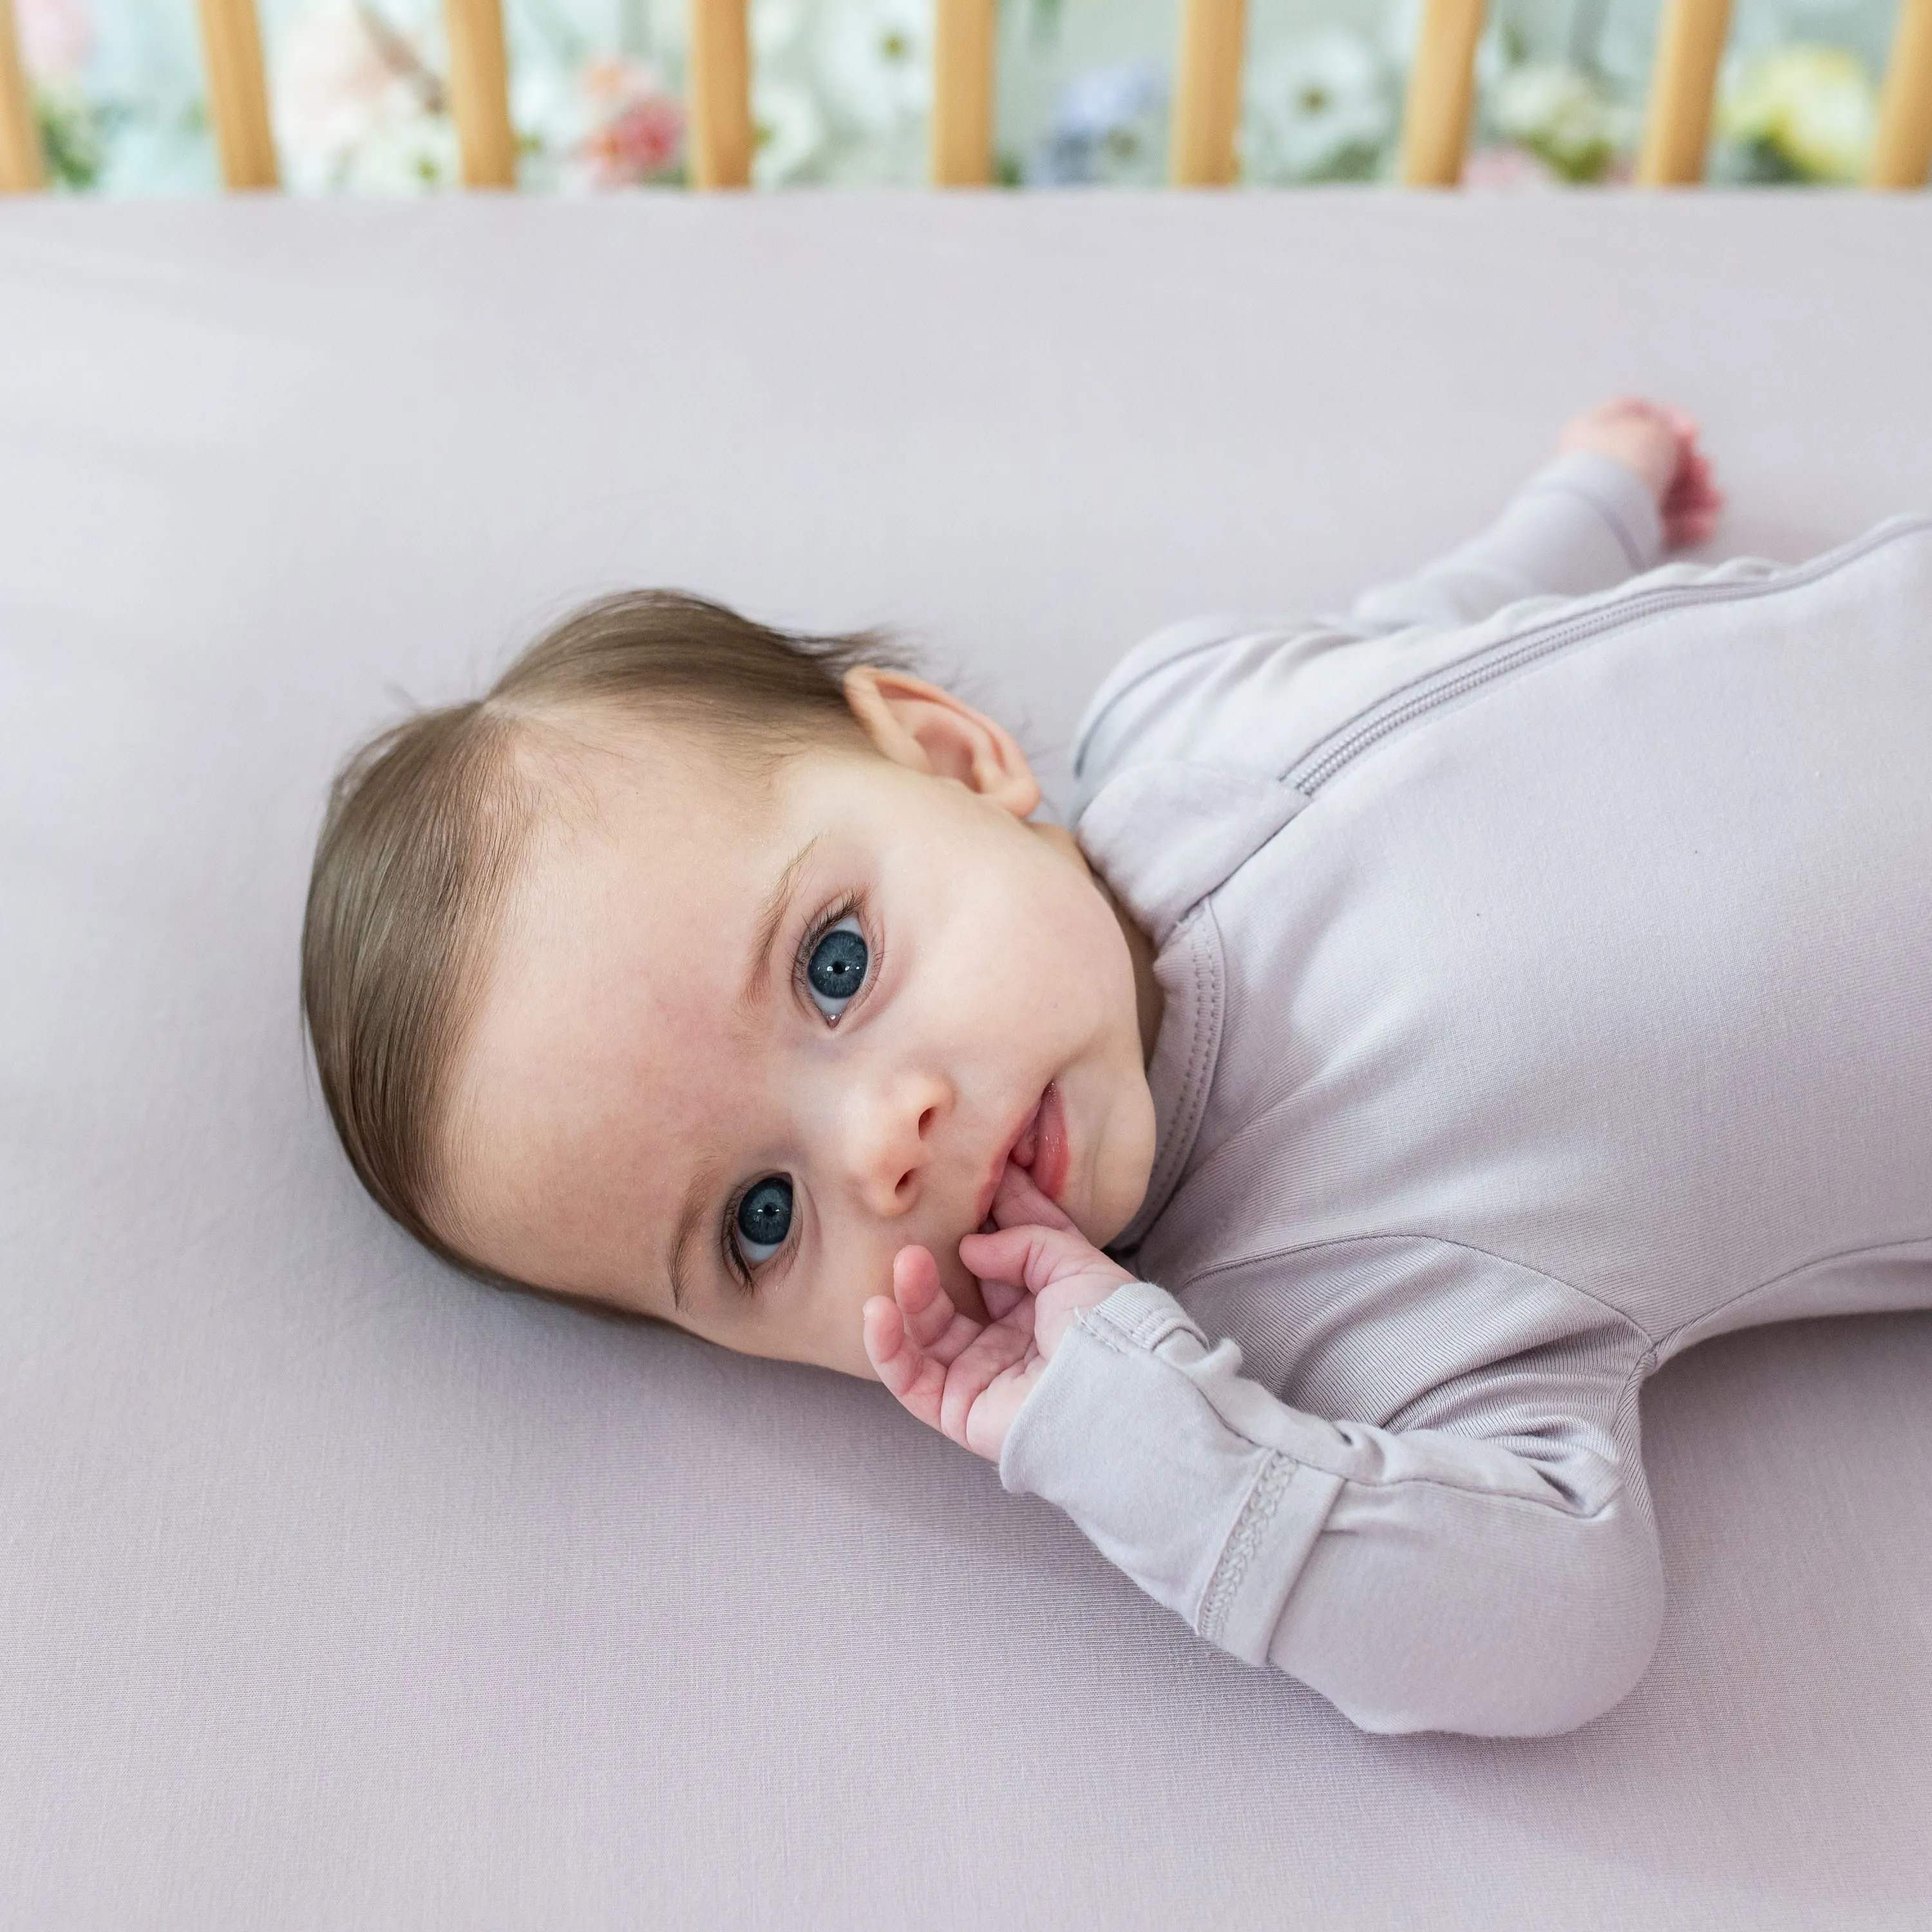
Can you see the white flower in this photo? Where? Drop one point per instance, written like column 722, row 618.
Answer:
column 776, row 26
column 789, row 129
column 548, row 106
column 873, row 59
column 1557, row 112
column 1319, row 106
column 403, row 156
column 1814, row 106
column 356, row 106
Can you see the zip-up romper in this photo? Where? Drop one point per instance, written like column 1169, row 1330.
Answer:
column 1549, row 987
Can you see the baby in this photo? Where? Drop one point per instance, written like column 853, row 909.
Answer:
column 1439, row 1017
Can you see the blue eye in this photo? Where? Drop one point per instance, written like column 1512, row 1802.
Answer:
column 837, row 968
column 764, row 1218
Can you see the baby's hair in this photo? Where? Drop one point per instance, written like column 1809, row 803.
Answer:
column 427, row 825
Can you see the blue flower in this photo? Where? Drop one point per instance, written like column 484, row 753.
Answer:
column 1107, row 125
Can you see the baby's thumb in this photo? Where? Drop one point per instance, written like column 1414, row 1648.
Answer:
column 1032, row 1258
column 1018, row 1203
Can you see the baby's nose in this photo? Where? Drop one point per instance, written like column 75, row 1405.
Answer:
column 893, row 1140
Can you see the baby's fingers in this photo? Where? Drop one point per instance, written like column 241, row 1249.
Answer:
column 997, row 1350
column 932, row 1321
column 913, row 1376
column 1035, row 1258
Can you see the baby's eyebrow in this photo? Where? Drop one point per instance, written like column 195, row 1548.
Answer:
column 771, row 916
column 689, row 1215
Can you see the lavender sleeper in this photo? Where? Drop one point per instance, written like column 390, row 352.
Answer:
column 1547, row 954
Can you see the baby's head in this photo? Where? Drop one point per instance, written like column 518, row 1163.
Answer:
column 699, row 968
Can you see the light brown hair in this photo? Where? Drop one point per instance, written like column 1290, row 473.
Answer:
column 428, row 824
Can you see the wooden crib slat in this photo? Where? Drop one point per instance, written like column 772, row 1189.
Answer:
column 479, row 92
column 1208, row 93
column 718, row 89
column 21, row 167
column 963, row 51
column 1677, row 129
column 237, row 93
column 1902, row 154
column 1441, row 92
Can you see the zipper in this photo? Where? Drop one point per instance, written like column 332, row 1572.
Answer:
column 1343, row 745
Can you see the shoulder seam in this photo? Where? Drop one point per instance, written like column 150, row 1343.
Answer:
column 1412, row 1234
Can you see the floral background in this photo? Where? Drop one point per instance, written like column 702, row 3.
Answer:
column 842, row 89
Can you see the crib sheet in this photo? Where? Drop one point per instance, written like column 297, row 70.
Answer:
column 337, row 1590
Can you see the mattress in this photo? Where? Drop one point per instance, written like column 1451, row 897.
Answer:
column 337, row 1590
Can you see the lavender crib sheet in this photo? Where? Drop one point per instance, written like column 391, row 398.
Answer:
column 335, row 1591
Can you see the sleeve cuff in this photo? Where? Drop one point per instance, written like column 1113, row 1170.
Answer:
column 1122, row 1432
column 1617, row 493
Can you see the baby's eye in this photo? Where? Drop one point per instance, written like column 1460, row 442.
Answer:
column 837, row 968
column 764, row 1218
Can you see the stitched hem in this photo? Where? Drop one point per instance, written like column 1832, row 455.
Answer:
column 1264, row 1498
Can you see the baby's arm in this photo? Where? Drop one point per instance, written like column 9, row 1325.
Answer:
column 1503, row 1582
column 1627, row 482
column 1235, row 688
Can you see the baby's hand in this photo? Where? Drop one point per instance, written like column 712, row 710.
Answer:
column 1660, row 445
column 967, row 1380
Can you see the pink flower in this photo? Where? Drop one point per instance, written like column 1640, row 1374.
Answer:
column 56, row 37
column 643, row 140
column 639, row 131
column 1506, row 167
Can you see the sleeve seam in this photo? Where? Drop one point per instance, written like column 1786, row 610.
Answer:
column 1415, row 1235
column 1118, row 1343
column 1626, row 541
column 1114, row 700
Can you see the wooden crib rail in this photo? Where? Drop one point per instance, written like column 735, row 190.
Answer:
column 1441, row 91
column 1902, row 153
column 1209, row 64
column 718, row 92
column 965, row 41
column 1208, row 93
column 1683, row 81
column 237, row 93
column 21, row 168
column 479, row 92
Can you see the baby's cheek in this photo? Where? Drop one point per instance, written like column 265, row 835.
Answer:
column 1123, row 1159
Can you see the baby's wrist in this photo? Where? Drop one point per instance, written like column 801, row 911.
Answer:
column 1648, row 451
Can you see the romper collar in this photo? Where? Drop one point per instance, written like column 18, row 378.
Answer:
column 1163, row 836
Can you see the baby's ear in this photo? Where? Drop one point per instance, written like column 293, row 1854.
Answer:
column 926, row 729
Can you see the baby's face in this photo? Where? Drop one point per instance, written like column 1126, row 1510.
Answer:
column 743, row 1041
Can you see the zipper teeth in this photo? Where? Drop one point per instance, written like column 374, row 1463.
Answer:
column 1308, row 777
column 1466, row 679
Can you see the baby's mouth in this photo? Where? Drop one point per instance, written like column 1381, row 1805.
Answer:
column 1021, row 1152
column 1039, row 1150
column 1042, row 1147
